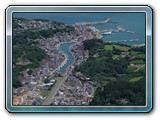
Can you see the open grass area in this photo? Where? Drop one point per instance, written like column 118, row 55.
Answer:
column 122, row 48
column 136, row 79
column 119, row 47
column 108, row 47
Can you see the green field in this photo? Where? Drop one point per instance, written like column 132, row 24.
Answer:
column 136, row 79
column 119, row 47
column 108, row 47
column 122, row 48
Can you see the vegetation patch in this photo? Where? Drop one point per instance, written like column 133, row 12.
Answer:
column 136, row 79
column 131, row 68
column 137, row 62
column 102, row 79
column 44, row 93
column 108, row 47
column 120, row 83
column 121, row 48
column 139, row 56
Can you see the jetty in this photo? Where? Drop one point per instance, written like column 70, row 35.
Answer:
column 94, row 23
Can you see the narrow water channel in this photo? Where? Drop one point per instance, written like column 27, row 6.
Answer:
column 65, row 49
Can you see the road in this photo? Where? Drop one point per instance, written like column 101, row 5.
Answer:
column 53, row 91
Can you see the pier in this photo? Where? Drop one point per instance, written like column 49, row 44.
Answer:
column 94, row 23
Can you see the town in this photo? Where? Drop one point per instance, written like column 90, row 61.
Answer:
column 37, row 83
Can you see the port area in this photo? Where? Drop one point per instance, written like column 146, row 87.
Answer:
column 100, row 33
column 105, row 32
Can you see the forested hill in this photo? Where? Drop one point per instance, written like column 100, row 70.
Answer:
column 120, row 70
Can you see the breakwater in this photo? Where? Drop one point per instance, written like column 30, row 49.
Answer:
column 94, row 23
